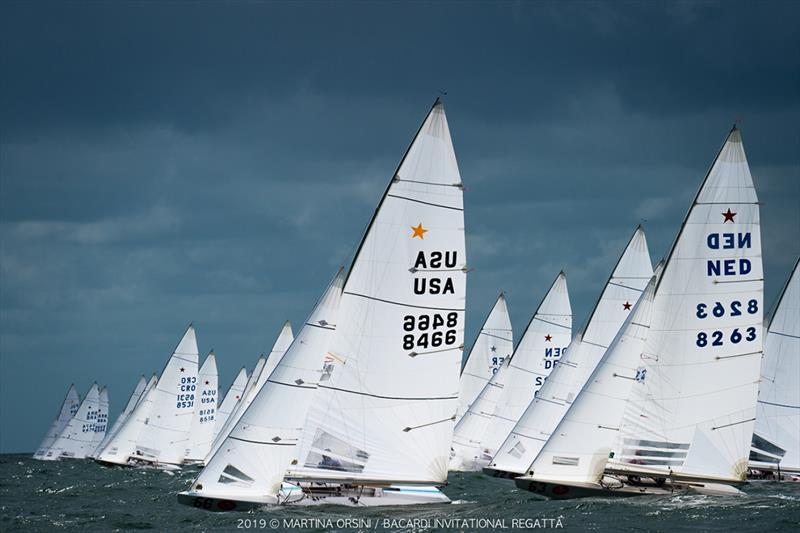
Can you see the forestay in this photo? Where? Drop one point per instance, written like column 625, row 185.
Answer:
column 252, row 460
column 489, row 351
column 201, row 433
column 75, row 440
column 505, row 397
column 68, row 409
column 776, row 440
column 388, row 410
column 621, row 292
column 693, row 416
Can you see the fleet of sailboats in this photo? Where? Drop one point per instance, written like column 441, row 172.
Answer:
column 676, row 382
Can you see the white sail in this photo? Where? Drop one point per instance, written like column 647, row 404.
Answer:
column 493, row 346
column 579, row 448
column 68, row 409
column 693, row 416
column 776, row 439
column 100, row 423
column 620, row 294
column 257, row 380
column 121, row 444
column 75, row 440
column 388, row 410
column 252, row 460
column 232, row 398
column 123, row 416
column 504, row 398
column 201, row 433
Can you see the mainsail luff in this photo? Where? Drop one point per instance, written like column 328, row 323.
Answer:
column 252, row 460
column 68, row 409
column 776, row 438
column 232, row 398
column 389, row 408
column 694, row 416
column 493, row 345
column 123, row 416
column 505, row 396
column 201, row 432
column 622, row 290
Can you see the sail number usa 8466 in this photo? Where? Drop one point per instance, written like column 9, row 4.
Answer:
column 429, row 331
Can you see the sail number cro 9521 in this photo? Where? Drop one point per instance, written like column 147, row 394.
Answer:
column 429, row 331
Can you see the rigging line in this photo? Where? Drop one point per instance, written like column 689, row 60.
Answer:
column 426, row 203
column 595, row 344
column 607, row 427
column 450, row 419
column 550, row 401
column 733, row 424
column 623, row 377
column 403, row 304
column 495, row 336
column 727, row 203
column 176, row 356
column 716, row 281
column 390, row 397
column 551, row 323
column 291, row 384
column 321, row 327
column 457, row 185
column 528, row 436
column 267, row 443
column 625, row 286
column 737, row 355
column 414, row 354
column 526, row 370
column 780, row 404
column 783, row 334
column 414, row 270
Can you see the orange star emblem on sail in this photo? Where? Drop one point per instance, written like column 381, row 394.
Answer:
column 419, row 231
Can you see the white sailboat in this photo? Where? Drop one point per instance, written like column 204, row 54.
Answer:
column 257, row 379
column 201, row 432
column 132, row 401
column 379, row 430
column 493, row 346
column 776, row 439
column 504, row 398
column 158, row 430
column 248, row 469
column 75, row 440
column 100, row 423
column 228, row 403
column 115, row 449
column 688, row 421
column 68, row 409
column 621, row 292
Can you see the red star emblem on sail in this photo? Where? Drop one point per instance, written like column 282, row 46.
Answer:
column 182, row 369
column 626, row 306
column 728, row 216
column 419, row 231
column 206, row 382
column 548, row 338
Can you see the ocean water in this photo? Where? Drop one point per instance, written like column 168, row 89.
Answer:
column 84, row 496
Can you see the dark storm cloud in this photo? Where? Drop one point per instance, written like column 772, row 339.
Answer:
column 216, row 162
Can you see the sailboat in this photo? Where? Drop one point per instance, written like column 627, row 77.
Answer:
column 620, row 293
column 112, row 447
column 248, row 469
column 136, row 395
column 75, row 440
column 68, row 409
column 378, row 431
column 688, row 419
column 201, row 432
column 776, row 439
column 261, row 372
column 228, row 403
column 100, row 426
column 493, row 346
column 504, row 398
column 157, row 432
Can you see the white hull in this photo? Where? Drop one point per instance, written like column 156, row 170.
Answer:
column 319, row 494
column 617, row 488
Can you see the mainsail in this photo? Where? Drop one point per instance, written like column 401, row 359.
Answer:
column 232, row 398
column 253, row 458
column 504, row 398
column 100, row 422
column 693, row 415
column 75, row 440
column 387, row 412
column 132, row 401
column 121, row 443
column 623, row 289
column 257, row 379
column 158, row 430
column 201, row 433
column 489, row 351
column 776, row 440
column 68, row 409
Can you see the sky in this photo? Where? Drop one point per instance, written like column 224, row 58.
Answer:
column 170, row 162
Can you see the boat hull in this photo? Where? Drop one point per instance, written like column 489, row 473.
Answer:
column 566, row 491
